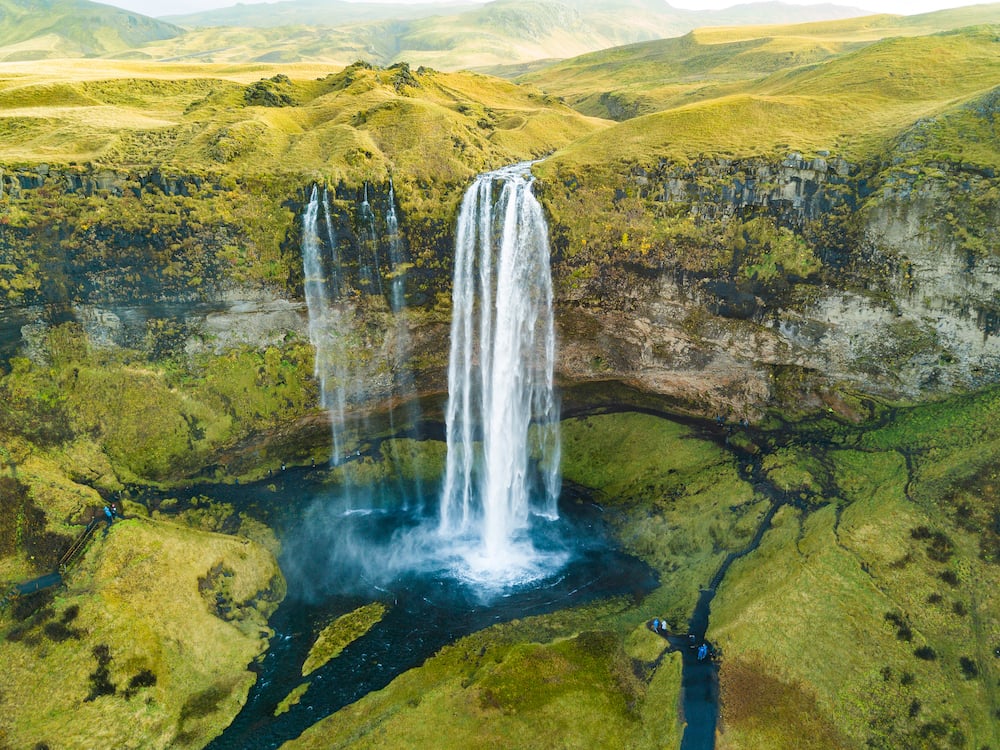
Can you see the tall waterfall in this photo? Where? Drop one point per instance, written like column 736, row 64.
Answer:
column 326, row 322
column 502, row 417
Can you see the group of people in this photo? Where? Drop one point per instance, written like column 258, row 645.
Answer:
column 704, row 651
column 111, row 513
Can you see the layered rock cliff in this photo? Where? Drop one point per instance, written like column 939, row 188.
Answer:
column 726, row 284
column 876, row 279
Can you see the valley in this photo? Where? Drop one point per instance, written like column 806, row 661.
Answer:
column 772, row 372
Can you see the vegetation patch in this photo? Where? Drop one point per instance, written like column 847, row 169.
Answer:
column 291, row 699
column 526, row 683
column 145, row 662
column 340, row 633
column 759, row 709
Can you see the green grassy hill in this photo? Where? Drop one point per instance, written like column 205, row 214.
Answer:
column 713, row 62
column 361, row 123
column 40, row 29
column 851, row 104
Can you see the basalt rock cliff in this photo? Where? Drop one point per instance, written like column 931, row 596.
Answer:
column 786, row 281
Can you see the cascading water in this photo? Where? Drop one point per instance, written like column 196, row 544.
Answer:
column 336, row 277
column 371, row 271
column 502, row 467
column 396, row 289
column 326, row 322
column 405, row 390
column 475, row 559
column 502, row 417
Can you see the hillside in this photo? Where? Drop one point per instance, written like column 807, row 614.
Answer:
column 40, row 29
column 485, row 37
column 314, row 13
column 711, row 62
column 360, row 122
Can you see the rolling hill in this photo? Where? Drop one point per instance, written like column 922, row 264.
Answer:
column 852, row 104
column 649, row 77
column 331, row 13
column 40, row 29
column 486, row 37
column 359, row 123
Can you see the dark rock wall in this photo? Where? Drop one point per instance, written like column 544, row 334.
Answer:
column 901, row 303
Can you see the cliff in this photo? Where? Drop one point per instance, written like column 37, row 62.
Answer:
column 728, row 284
column 742, row 283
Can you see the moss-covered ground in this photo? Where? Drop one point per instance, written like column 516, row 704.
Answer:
column 146, row 646
column 867, row 617
column 114, row 416
column 340, row 633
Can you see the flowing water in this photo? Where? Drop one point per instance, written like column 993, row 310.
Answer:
column 487, row 546
column 329, row 323
column 338, row 555
column 502, row 416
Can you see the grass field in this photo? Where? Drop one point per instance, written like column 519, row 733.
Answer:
column 147, row 645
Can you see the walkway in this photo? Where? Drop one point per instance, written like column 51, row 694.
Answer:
column 55, row 578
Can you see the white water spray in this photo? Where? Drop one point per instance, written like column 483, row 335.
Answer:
column 502, row 417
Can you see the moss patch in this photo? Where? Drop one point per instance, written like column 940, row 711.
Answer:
column 574, row 686
column 291, row 699
column 129, row 654
column 341, row 633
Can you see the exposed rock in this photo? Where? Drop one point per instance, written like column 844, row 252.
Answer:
column 905, row 304
column 915, row 314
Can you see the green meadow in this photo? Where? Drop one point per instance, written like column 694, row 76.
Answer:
column 866, row 618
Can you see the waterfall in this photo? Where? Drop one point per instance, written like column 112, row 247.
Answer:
column 326, row 321
column 336, row 270
column 397, row 287
column 371, row 268
column 336, row 330
column 502, row 417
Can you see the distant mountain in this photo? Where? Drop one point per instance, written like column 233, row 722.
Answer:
column 41, row 29
column 333, row 13
column 486, row 37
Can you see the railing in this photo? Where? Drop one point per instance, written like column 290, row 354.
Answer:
column 78, row 545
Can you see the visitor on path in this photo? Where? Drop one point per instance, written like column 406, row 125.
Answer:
column 108, row 515
column 656, row 624
column 702, row 651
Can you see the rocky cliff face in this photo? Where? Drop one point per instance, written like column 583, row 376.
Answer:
column 870, row 279
column 190, row 267
column 902, row 304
